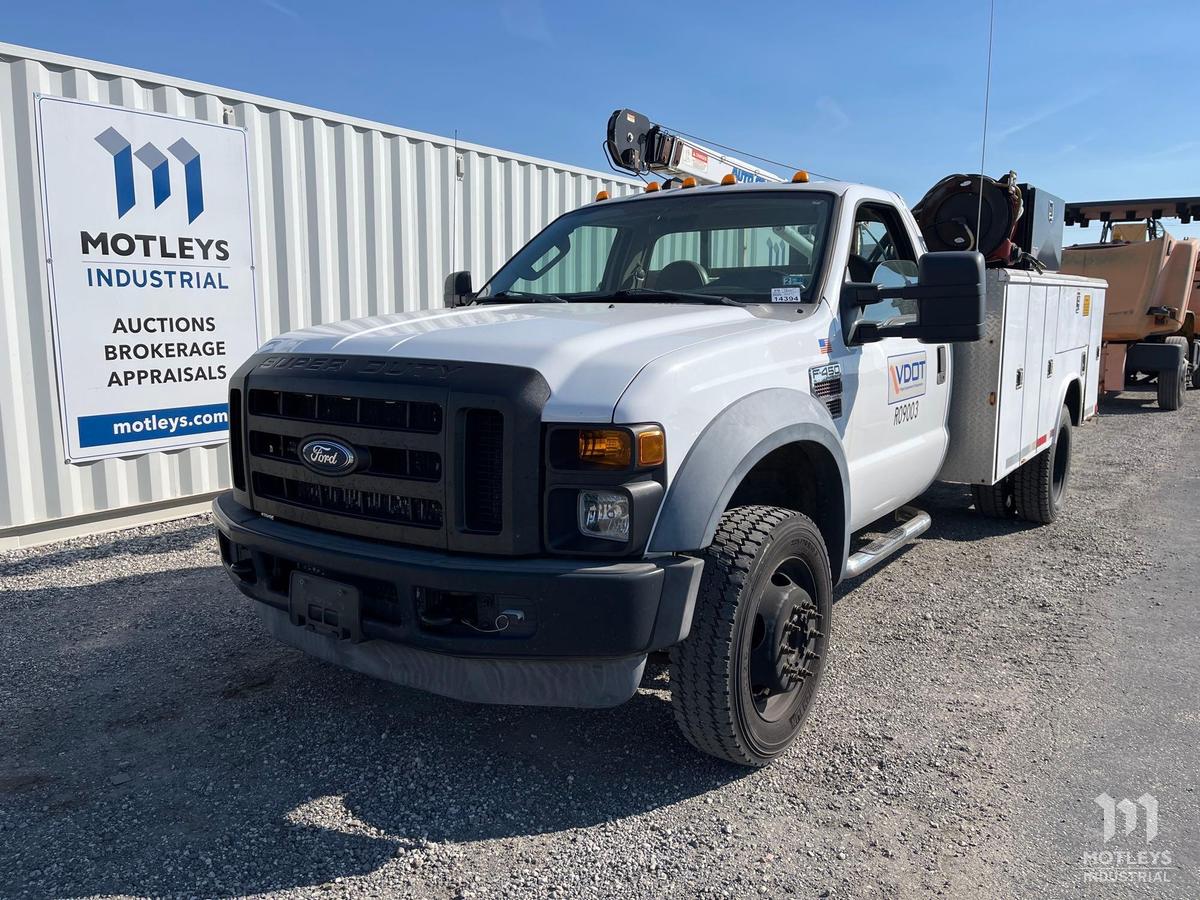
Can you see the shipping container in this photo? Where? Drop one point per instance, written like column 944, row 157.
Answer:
column 349, row 218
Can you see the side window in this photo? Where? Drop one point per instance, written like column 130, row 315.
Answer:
column 576, row 266
column 881, row 253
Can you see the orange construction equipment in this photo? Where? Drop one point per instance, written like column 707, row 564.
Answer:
column 1153, row 297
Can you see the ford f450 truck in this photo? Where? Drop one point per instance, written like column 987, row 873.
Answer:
column 660, row 426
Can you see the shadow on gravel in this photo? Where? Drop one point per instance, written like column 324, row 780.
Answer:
column 1128, row 404
column 162, row 744
column 175, row 540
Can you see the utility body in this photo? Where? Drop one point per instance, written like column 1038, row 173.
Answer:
column 663, row 425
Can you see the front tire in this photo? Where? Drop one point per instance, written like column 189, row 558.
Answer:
column 743, row 682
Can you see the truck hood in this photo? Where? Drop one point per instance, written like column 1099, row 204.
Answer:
column 587, row 352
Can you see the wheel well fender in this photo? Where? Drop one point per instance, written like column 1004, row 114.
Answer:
column 1073, row 400
column 746, row 456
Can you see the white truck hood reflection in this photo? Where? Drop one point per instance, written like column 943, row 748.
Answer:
column 587, row 352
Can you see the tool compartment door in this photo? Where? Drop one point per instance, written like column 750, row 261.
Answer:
column 1014, row 381
column 1093, row 315
column 1035, row 370
column 1057, row 366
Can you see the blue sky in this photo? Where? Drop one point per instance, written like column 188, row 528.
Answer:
column 1088, row 98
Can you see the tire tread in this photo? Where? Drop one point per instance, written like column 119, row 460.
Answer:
column 700, row 666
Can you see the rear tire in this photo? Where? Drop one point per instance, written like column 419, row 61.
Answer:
column 1040, row 485
column 1185, row 351
column 996, row 501
column 1171, row 387
column 743, row 682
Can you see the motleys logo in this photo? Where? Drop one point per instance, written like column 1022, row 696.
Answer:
column 906, row 376
column 1129, row 815
column 156, row 161
column 1128, row 822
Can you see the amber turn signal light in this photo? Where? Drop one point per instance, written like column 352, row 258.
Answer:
column 652, row 447
column 605, row 447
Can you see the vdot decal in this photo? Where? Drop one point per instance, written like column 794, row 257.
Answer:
column 160, row 172
column 906, row 376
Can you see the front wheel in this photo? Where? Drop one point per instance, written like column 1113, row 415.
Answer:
column 744, row 680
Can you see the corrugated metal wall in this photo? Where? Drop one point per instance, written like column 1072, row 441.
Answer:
column 351, row 218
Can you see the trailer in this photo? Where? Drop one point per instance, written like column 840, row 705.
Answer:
column 1154, row 293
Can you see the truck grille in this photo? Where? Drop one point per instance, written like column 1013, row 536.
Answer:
column 397, row 415
column 374, row 505
column 483, row 472
column 436, row 455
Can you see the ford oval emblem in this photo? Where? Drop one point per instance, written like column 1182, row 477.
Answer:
column 328, row 457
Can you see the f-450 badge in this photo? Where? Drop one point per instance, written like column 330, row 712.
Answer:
column 826, row 385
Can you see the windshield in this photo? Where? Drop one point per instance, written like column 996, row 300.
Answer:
column 751, row 247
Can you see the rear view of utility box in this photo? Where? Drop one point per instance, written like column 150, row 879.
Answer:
column 1041, row 334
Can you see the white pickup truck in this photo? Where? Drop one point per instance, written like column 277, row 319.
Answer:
column 658, row 427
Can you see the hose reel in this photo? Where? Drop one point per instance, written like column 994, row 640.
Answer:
column 956, row 207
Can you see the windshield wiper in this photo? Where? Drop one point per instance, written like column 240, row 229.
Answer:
column 525, row 297
column 680, row 296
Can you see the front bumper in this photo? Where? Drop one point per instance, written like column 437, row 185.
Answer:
column 587, row 626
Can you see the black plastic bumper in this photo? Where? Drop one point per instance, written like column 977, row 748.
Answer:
column 573, row 609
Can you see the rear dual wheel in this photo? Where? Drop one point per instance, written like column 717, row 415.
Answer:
column 1171, row 387
column 1037, row 490
column 996, row 501
column 743, row 682
column 1040, row 485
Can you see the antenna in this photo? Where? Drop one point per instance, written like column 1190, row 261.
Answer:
column 987, row 96
column 454, row 208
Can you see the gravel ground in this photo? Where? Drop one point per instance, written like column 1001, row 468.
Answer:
column 154, row 742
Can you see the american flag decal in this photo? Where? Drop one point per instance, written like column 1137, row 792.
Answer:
column 823, row 346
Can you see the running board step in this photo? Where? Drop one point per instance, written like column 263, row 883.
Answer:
column 913, row 524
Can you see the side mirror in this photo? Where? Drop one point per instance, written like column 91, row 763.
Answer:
column 949, row 298
column 458, row 291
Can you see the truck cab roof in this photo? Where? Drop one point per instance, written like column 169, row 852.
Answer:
column 846, row 189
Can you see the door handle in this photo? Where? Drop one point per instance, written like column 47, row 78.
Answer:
column 1020, row 378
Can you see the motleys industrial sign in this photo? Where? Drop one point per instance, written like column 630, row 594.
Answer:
column 151, row 274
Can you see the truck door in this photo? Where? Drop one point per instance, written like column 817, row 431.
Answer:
column 896, row 434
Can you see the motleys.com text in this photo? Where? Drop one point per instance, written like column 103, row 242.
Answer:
column 147, row 424
column 169, row 424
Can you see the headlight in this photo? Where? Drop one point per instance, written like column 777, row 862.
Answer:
column 608, row 447
column 604, row 514
column 611, row 449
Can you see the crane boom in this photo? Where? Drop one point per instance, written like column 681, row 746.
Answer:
column 637, row 145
